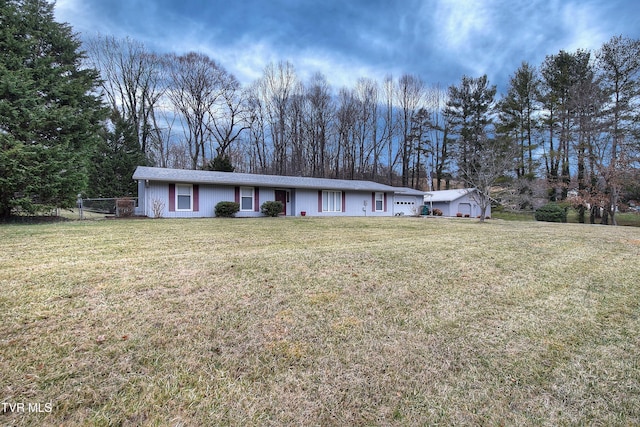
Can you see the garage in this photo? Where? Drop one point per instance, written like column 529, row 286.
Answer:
column 454, row 202
column 464, row 209
column 406, row 205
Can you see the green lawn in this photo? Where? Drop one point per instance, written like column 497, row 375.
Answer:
column 309, row 321
column 623, row 219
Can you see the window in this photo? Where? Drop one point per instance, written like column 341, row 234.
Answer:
column 379, row 207
column 246, row 198
column 184, row 197
column 332, row 201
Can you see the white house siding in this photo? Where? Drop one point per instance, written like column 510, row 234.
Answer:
column 301, row 200
column 141, row 209
column 307, row 201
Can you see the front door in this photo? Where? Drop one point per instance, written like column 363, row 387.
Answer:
column 281, row 196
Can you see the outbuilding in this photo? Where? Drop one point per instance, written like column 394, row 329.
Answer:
column 195, row 193
column 458, row 202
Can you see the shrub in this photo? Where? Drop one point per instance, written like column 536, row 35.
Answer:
column 227, row 209
column 271, row 208
column 157, row 208
column 437, row 212
column 551, row 212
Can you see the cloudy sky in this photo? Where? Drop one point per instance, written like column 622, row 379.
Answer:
column 439, row 40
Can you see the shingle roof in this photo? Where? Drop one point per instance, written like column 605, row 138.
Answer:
column 447, row 195
column 233, row 178
column 406, row 191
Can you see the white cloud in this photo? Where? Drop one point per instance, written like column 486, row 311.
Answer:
column 582, row 24
column 460, row 22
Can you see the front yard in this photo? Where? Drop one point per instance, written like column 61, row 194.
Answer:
column 310, row 321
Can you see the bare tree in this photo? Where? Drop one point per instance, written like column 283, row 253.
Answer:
column 438, row 135
column 229, row 114
column 276, row 88
column 390, row 126
column 256, row 121
column 296, row 131
column 410, row 93
column 366, row 93
column 485, row 167
column 346, row 117
column 162, row 120
column 196, row 84
column 321, row 110
column 132, row 81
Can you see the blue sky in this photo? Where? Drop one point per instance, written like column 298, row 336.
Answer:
column 439, row 40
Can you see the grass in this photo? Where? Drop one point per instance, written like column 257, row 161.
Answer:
column 630, row 219
column 508, row 215
column 310, row 321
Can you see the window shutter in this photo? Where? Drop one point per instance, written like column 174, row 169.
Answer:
column 172, row 197
column 344, row 199
column 237, row 196
column 385, row 202
column 256, row 199
column 196, row 198
column 373, row 201
column 319, row 200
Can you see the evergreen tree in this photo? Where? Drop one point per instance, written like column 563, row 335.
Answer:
column 469, row 113
column 517, row 121
column 221, row 163
column 49, row 117
column 114, row 160
column 560, row 75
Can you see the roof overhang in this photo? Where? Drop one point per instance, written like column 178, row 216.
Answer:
column 277, row 181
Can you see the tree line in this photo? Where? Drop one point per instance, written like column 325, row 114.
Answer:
column 564, row 129
column 569, row 125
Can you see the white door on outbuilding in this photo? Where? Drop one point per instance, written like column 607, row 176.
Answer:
column 464, row 208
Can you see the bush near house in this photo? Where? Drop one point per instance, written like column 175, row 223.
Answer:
column 271, row 208
column 227, row 209
column 551, row 212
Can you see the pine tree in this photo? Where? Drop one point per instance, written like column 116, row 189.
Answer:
column 114, row 160
column 221, row 164
column 469, row 113
column 49, row 115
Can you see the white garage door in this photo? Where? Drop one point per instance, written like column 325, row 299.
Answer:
column 464, row 208
column 405, row 205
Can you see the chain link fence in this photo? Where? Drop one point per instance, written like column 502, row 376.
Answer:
column 118, row 207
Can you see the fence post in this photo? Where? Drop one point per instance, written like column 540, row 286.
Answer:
column 79, row 204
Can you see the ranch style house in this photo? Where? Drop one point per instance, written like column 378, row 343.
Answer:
column 181, row 193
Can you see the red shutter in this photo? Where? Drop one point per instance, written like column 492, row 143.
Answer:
column 319, row 200
column 373, row 201
column 196, row 198
column 256, row 199
column 344, row 200
column 237, row 196
column 172, row 197
column 385, row 202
